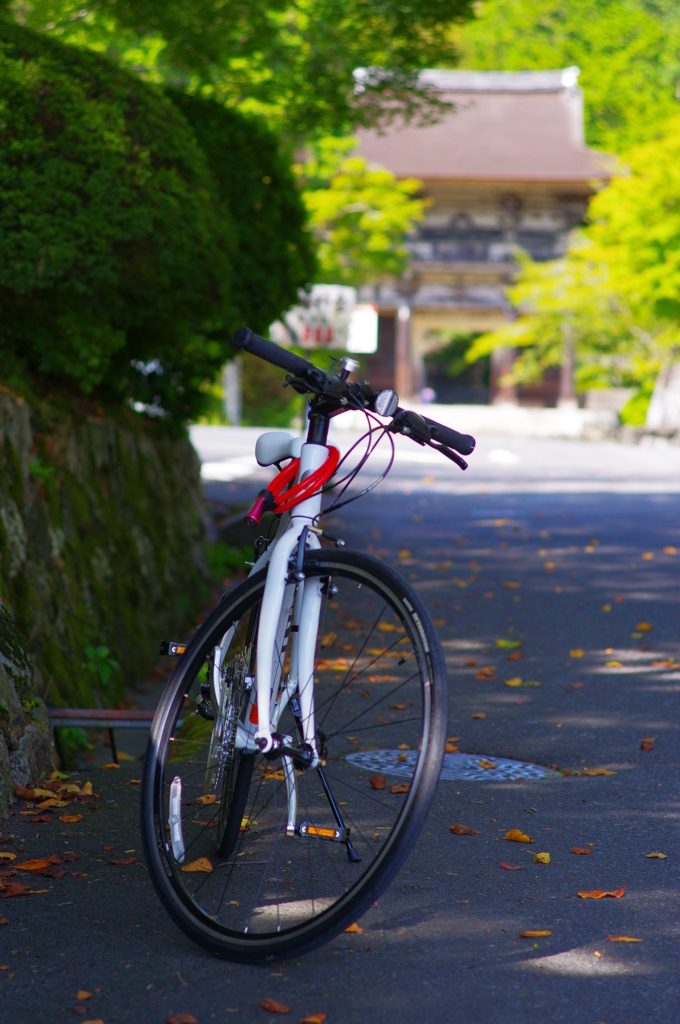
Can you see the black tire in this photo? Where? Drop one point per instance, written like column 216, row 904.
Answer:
column 233, row 803
column 381, row 854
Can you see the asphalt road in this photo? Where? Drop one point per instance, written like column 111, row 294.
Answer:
column 576, row 529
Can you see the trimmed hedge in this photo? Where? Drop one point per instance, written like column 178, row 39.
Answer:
column 124, row 243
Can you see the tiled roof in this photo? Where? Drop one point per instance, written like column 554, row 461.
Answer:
column 524, row 126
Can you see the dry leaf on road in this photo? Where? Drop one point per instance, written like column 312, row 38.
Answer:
column 508, row 867
column 487, row 764
column 181, row 1018
column 655, row 855
column 105, row 767
column 83, row 994
column 577, row 652
column 6, row 855
column 599, row 894
column 3, row 920
column 478, row 714
column 515, row 681
column 581, row 849
column 313, row 1018
column 597, row 771
column 451, row 748
column 400, row 787
column 535, row 933
column 18, row 889
column 32, row 865
column 354, row 929
column 70, row 819
column 463, row 830
column 511, row 585
column 643, row 627
column 272, row 1006
column 541, row 858
column 516, row 835
column 129, row 860
column 487, row 672
column 622, row 938
column 200, row 865
column 508, row 645
column 377, row 781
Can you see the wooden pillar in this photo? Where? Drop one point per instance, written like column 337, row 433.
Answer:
column 502, row 360
column 566, row 396
column 403, row 383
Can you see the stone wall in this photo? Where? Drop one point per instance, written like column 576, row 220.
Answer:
column 102, row 541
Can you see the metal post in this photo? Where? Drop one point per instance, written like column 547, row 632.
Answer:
column 232, row 388
column 402, row 353
column 566, row 397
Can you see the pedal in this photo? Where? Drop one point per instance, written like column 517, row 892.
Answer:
column 328, row 832
column 172, row 649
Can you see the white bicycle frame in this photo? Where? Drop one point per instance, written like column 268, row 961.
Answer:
column 288, row 609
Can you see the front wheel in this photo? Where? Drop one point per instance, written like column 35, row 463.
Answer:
column 279, row 859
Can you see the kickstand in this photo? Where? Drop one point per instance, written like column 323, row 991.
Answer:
column 352, row 854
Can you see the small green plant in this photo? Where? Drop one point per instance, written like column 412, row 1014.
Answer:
column 28, row 704
column 43, row 474
column 226, row 561
column 101, row 664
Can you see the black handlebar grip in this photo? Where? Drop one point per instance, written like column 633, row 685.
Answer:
column 262, row 348
column 463, row 443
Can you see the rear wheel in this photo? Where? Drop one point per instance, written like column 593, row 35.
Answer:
column 252, row 879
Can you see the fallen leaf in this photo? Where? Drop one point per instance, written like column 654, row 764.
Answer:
column 470, row 662
column 515, row 656
column 273, row 1007
column 24, row 794
column 535, row 933
column 614, row 664
column 463, row 830
column 643, row 627
column 451, row 748
column 38, row 791
column 107, row 849
column 583, row 850
column 42, row 818
column 105, row 767
column 404, row 553
column 134, row 782
column 131, row 860
column 398, row 707
column 209, row 798
column 403, row 746
column 6, row 855
column 599, row 894
column 70, row 819
column 622, row 938
column 98, row 1020
column 508, row 645
column 655, row 855
column 32, row 865
column 181, row 1018
column 597, row 771
column 517, row 836
column 488, row 672
column 511, row 585
column 377, row 781
column 3, row 920
column 478, row 714
column 87, row 789
column 314, row 1018
column 354, row 929
column 508, row 867
column 646, row 746
column 387, row 627
column 515, row 681
column 606, row 607
column 541, row 858
column 58, row 775
column 16, row 889
column 400, row 787
column 647, row 556
column 82, row 994
column 670, row 550
column 549, row 566
column 487, row 764
column 200, row 865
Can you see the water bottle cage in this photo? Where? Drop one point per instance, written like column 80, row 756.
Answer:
column 280, row 497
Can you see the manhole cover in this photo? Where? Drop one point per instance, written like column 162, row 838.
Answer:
column 455, row 766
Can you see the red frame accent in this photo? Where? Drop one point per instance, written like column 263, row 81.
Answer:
column 285, row 499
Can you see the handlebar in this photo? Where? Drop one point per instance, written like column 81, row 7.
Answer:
column 246, row 339
column 335, row 390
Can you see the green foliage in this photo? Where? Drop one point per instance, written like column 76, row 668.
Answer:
column 289, row 61
column 101, row 664
column 266, row 401
column 122, row 267
column 226, row 561
column 616, row 294
column 634, row 412
column 359, row 215
column 626, row 49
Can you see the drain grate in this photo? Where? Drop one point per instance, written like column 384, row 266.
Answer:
column 456, row 767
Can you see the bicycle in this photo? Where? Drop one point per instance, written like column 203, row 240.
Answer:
column 264, row 832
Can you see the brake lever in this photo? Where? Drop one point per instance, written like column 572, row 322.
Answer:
column 453, row 456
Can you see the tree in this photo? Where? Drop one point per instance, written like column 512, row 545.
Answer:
column 359, row 215
column 616, row 293
column 627, row 52
column 292, row 62
column 119, row 241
